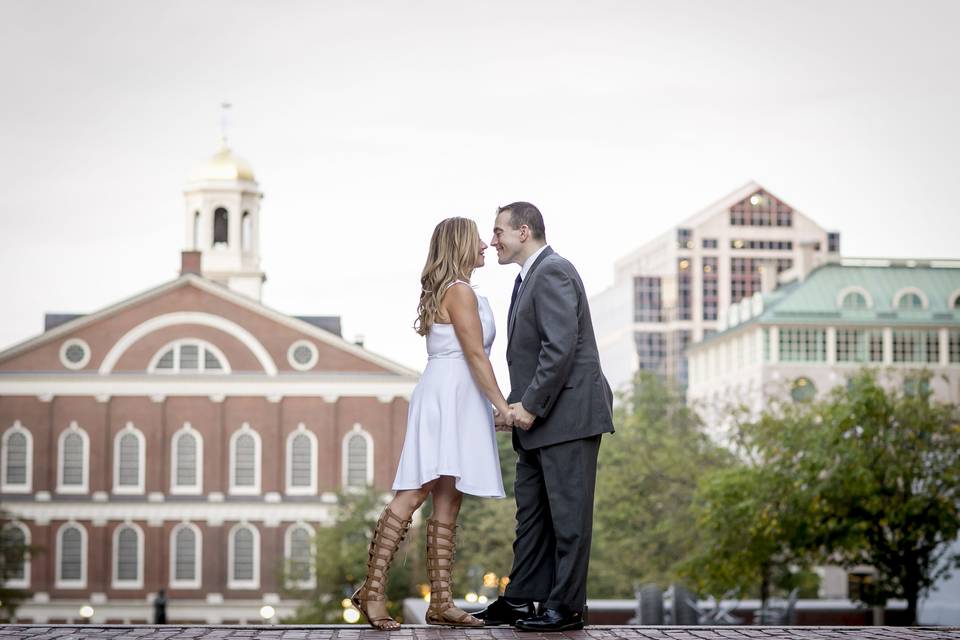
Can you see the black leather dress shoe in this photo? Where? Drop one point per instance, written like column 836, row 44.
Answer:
column 502, row 612
column 561, row 619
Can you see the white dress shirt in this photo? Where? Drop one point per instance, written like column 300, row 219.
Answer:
column 525, row 269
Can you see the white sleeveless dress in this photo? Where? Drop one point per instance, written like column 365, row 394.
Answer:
column 450, row 422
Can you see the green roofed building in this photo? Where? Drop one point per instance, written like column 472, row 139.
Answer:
column 807, row 335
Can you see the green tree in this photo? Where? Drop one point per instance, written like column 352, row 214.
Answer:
column 341, row 561
column 13, row 553
column 648, row 473
column 868, row 475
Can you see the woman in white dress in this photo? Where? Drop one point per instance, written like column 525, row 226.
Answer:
column 450, row 446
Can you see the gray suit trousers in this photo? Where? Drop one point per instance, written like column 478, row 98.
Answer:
column 554, row 492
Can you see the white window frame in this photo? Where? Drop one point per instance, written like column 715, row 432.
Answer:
column 198, row 557
column 25, row 582
column 843, row 293
column 345, row 456
column 60, row 583
column 233, row 583
column 115, row 582
column 310, row 490
column 311, row 582
column 84, row 486
column 314, row 355
column 27, row 486
column 74, row 366
column 234, row 490
column 186, row 490
column 201, row 362
column 924, row 302
column 140, row 487
column 952, row 299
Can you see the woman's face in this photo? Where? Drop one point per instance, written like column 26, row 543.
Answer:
column 480, row 259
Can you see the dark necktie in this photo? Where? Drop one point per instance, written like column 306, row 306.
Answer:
column 513, row 296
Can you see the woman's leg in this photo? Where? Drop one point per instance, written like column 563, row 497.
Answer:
column 441, row 544
column 371, row 598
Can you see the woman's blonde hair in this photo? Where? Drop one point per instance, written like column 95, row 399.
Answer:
column 452, row 256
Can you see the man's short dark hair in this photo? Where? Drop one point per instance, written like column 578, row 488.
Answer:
column 524, row 213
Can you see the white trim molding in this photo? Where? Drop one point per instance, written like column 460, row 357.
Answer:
column 201, row 345
column 925, row 303
column 953, row 300
column 305, row 366
column 197, row 557
column 27, row 485
column 843, row 293
column 232, row 581
column 188, row 317
column 357, row 430
column 22, row 583
column 138, row 488
column 80, row 583
column 197, row 487
column 310, row 582
column 311, row 488
column 74, row 342
column 83, row 487
column 116, row 582
column 254, row 490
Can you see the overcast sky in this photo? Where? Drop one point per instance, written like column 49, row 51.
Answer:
column 368, row 122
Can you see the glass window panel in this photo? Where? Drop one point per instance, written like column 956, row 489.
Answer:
column 243, row 554
column 245, row 472
column 73, row 459
column 16, row 459
column 186, row 549
column 71, row 558
column 357, row 461
column 127, row 544
column 129, row 460
column 300, row 461
column 186, row 460
column 166, row 360
column 210, row 361
column 299, row 554
column 189, row 357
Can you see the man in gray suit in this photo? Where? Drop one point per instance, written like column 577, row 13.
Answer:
column 561, row 404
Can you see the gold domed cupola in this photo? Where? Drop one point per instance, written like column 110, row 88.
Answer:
column 223, row 165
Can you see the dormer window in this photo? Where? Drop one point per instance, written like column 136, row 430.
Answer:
column 189, row 356
column 854, row 300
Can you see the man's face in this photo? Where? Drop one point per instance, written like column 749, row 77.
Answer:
column 506, row 240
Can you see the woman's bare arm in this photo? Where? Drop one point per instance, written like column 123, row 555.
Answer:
column 460, row 305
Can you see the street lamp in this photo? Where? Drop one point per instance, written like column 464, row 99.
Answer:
column 267, row 612
column 86, row 612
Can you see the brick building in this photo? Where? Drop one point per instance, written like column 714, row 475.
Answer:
column 189, row 438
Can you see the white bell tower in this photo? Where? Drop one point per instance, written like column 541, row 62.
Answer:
column 222, row 220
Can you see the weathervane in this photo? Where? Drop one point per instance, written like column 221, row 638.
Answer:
column 224, row 122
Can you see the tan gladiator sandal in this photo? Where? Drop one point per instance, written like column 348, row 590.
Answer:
column 387, row 536
column 441, row 548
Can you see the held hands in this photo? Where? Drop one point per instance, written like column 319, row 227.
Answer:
column 521, row 417
column 503, row 420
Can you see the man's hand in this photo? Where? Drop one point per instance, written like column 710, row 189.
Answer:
column 521, row 417
column 503, row 423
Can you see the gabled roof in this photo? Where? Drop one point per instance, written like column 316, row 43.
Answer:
column 817, row 299
column 305, row 327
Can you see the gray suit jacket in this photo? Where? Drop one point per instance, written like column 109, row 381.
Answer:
column 553, row 359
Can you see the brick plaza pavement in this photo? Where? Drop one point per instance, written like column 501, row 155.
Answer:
column 412, row 632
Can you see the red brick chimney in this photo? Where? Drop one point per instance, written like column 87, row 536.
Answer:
column 190, row 262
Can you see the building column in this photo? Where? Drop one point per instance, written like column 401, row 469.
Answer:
column 887, row 345
column 774, row 344
column 831, row 345
column 944, row 340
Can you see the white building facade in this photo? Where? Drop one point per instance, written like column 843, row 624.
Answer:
column 668, row 293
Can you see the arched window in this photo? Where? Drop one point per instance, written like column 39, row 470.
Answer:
column 186, row 473
column 72, row 464
column 127, row 557
column 301, row 462
column 185, row 556
column 910, row 298
column 246, row 231
column 221, row 227
column 129, row 460
column 17, row 460
column 14, row 540
column 71, row 557
column 357, row 459
column 245, row 461
column 196, row 230
column 189, row 356
column 298, row 551
column 803, row 390
column 854, row 300
column 244, row 557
